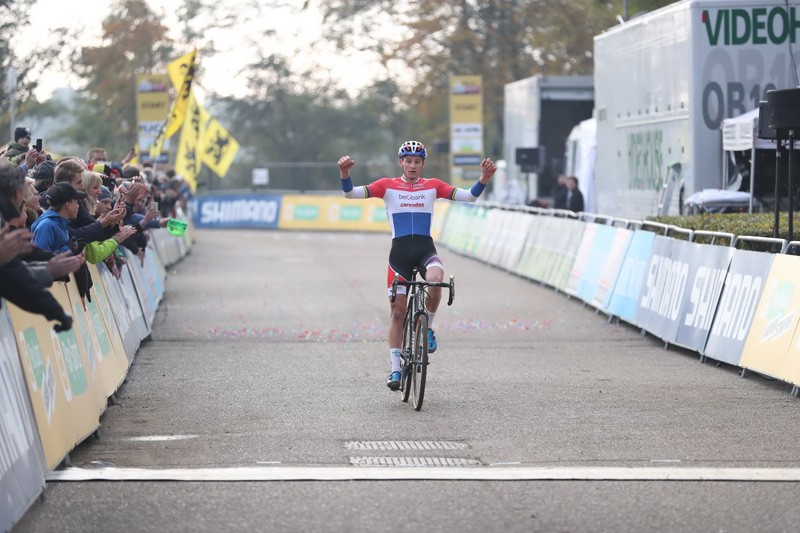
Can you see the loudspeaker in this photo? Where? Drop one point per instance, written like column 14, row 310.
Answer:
column 764, row 131
column 784, row 109
column 530, row 159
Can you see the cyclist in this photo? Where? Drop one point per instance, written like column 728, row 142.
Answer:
column 409, row 203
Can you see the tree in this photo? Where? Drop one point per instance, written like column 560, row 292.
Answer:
column 13, row 16
column 133, row 41
column 501, row 40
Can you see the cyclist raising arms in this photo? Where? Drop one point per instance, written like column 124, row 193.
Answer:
column 409, row 203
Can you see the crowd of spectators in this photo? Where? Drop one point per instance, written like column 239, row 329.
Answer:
column 58, row 213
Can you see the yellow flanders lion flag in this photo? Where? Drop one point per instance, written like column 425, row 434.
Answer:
column 219, row 148
column 185, row 64
column 187, row 160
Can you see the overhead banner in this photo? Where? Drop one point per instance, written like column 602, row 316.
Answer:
column 152, row 107
column 708, row 266
column 466, row 129
column 741, row 293
column 624, row 301
column 22, row 464
column 771, row 346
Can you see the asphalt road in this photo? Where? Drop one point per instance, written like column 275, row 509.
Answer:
column 269, row 351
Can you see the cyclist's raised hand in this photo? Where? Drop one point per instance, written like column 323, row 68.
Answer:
column 345, row 164
column 488, row 168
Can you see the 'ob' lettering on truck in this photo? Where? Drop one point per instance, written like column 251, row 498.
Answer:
column 665, row 81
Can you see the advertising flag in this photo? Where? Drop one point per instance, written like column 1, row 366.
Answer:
column 174, row 121
column 219, row 148
column 187, row 160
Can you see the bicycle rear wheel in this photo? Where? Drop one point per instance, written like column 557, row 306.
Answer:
column 419, row 361
column 405, row 388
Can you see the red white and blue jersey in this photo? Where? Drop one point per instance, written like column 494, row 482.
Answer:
column 409, row 206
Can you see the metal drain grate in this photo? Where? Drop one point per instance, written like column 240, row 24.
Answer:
column 404, row 445
column 413, row 461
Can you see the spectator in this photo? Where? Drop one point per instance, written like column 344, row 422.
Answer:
column 43, row 177
column 560, row 192
column 574, row 195
column 22, row 142
column 20, row 283
column 51, row 230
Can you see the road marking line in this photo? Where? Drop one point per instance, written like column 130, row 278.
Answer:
column 337, row 473
column 158, row 438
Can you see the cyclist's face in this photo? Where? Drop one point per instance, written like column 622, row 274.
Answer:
column 412, row 165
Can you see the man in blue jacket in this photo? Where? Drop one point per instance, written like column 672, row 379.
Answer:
column 51, row 230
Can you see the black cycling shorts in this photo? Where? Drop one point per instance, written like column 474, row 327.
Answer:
column 408, row 252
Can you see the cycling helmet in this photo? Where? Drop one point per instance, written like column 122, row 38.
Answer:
column 412, row 148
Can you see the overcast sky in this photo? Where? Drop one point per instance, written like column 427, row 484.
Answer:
column 295, row 33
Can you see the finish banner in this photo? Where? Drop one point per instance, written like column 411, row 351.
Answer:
column 22, row 465
column 332, row 213
column 772, row 345
column 741, row 293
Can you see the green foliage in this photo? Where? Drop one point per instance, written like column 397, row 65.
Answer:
column 739, row 224
column 133, row 41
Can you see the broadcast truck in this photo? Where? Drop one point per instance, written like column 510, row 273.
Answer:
column 665, row 81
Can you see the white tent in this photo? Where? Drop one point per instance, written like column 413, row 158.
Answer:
column 580, row 157
column 739, row 134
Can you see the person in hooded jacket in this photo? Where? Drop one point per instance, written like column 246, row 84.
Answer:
column 22, row 143
column 20, row 283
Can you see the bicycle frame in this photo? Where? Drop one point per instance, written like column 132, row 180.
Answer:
column 414, row 356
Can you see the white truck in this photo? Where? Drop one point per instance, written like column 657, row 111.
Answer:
column 666, row 80
column 539, row 113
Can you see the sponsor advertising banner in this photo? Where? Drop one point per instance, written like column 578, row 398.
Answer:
column 497, row 222
column 519, row 225
column 534, row 249
column 601, row 246
column 332, row 213
column 565, row 250
column 741, row 293
column 581, row 263
column 708, row 266
column 466, row 129
column 22, row 465
column 237, row 211
column 476, row 230
column 102, row 317
column 125, row 307
column 56, row 372
column 440, row 213
column 607, row 260
column 104, row 370
column 771, row 346
column 624, row 301
column 152, row 107
column 662, row 291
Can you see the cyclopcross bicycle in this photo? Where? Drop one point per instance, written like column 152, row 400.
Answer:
column 414, row 351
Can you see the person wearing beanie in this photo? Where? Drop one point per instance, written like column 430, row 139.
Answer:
column 22, row 143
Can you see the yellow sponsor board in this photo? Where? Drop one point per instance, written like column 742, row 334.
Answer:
column 332, row 213
column 466, row 102
column 58, row 380
column 771, row 346
column 152, row 97
column 440, row 209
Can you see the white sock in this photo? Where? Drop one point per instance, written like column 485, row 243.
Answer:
column 430, row 319
column 394, row 355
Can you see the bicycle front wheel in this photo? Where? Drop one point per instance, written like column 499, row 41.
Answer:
column 419, row 359
column 405, row 380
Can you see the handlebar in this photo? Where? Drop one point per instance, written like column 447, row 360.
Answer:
column 451, row 286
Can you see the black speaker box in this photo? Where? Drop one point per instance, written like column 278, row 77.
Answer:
column 784, row 109
column 764, row 131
